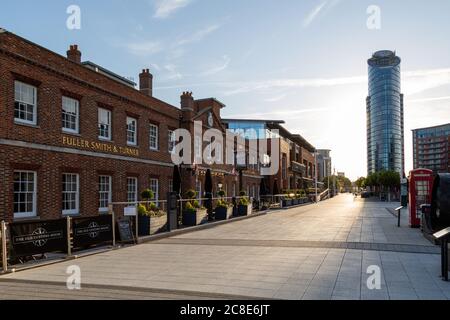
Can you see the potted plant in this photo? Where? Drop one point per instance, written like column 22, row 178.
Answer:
column 244, row 205
column 223, row 209
column 287, row 201
column 193, row 213
column 158, row 219
column 144, row 213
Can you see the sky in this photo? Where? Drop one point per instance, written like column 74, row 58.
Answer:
column 302, row 61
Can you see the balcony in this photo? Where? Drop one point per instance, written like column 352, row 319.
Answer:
column 298, row 168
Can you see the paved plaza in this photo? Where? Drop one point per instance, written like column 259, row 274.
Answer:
column 312, row 252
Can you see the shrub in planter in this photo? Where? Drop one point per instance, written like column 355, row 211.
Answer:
column 287, row 202
column 193, row 213
column 158, row 221
column 143, row 221
column 223, row 210
column 244, row 206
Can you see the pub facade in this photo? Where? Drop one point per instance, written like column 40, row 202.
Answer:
column 75, row 137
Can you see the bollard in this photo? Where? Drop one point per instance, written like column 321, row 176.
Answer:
column 399, row 211
column 69, row 243
column 4, row 248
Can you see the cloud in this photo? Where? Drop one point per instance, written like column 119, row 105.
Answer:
column 276, row 98
column 429, row 99
column 174, row 74
column 290, row 112
column 219, row 68
column 144, row 48
column 198, row 35
column 164, row 8
column 321, row 8
column 413, row 82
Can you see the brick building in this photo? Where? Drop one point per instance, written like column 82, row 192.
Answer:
column 297, row 168
column 431, row 148
column 75, row 136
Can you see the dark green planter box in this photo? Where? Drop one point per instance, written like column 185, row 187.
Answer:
column 295, row 202
column 287, row 203
column 224, row 213
column 144, row 226
column 194, row 219
column 244, row 210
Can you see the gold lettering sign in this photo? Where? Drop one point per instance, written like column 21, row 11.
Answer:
column 99, row 146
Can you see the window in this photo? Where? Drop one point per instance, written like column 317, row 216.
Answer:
column 25, row 106
column 198, row 189
column 132, row 190
column 105, row 192
column 171, row 141
column 70, row 194
column 131, row 131
column 104, row 124
column 24, row 194
column 154, row 186
column 154, row 137
column 70, row 115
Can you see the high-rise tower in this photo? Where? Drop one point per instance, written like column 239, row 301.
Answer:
column 385, row 124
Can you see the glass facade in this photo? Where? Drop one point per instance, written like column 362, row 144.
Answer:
column 385, row 124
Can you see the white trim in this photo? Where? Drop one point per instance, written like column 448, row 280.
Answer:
column 20, row 215
column 77, row 122
column 150, row 136
column 109, row 137
column 135, row 133
column 35, row 110
column 105, row 209
column 77, row 199
column 29, row 145
column 137, row 189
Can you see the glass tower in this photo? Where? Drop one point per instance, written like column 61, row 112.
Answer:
column 385, row 124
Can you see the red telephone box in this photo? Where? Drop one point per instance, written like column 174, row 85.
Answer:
column 420, row 188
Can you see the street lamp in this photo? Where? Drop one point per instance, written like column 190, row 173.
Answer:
column 315, row 174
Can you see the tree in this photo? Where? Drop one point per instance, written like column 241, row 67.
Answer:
column 361, row 183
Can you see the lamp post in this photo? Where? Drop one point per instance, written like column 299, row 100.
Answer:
column 315, row 174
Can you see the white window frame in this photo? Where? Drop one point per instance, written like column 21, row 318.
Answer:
column 105, row 209
column 19, row 215
column 17, row 86
column 154, row 186
column 77, row 197
column 129, row 120
column 155, row 136
column 77, row 116
column 109, row 137
column 135, row 198
column 198, row 189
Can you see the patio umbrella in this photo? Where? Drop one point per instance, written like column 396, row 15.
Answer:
column 209, row 196
column 208, row 182
column 176, row 180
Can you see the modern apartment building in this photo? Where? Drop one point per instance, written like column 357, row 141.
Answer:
column 431, row 148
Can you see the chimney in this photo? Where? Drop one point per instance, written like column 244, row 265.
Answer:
column 74, row 54
column 146, row 82
column 187, row 101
